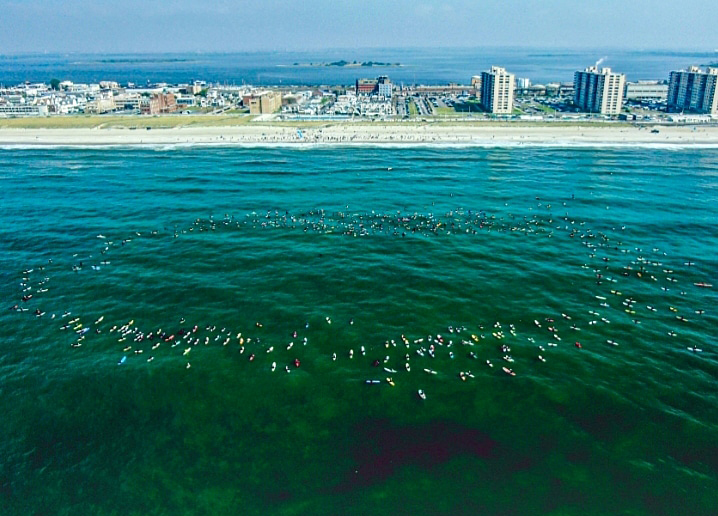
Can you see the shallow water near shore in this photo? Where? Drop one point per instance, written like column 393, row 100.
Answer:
column 455, row 258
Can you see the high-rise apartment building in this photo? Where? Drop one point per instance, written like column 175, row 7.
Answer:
column 599, row 91
column 693, row 90
column 497, row 91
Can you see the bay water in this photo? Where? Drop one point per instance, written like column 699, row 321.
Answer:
column 308, row 68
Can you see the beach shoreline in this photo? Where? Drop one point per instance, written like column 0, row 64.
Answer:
column 347, row 133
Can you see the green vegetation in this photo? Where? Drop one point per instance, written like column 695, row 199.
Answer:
column 471, row 106
column 377, row 63
column 229, row 120
column 128, row 122
column 450, row 112
column 543, row 107
column 55, row 84
column 493, row 122
column 413, row 110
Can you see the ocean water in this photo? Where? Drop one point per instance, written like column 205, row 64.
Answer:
column 418, row 65
column 147, row 292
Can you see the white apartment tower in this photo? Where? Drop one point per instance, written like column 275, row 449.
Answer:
column 599, row 91
column 384, row 86
column 497, row 91
column 694, row 90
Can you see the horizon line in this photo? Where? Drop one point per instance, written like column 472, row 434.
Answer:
column 573, row 48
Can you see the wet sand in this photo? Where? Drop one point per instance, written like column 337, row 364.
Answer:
column 371, row 133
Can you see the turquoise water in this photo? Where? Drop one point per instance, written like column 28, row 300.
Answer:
column 355, row 259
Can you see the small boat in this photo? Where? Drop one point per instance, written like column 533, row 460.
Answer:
column 508, row 371
column 421, row 394
column 703, row 285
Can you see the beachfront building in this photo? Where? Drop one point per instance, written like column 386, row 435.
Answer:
column 15, row 110
column 693, row 90
column 168, row 102
column 647, row 91
column 184, row 101
column 366, row 86
column 497, row 91
column 128, row 101
column 599, row 91
column 158, row 103
column 150, row 105
column 102, row 103
column 384, row 86
column 264, row 102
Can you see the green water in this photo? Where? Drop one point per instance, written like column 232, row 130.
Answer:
column 400, row 252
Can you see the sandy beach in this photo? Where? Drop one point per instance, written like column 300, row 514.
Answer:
column 368, row 133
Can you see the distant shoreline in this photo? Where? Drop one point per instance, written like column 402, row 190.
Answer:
column 378, row 133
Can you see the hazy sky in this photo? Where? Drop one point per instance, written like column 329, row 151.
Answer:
column 225, row 25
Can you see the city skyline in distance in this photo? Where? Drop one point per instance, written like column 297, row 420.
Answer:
column 254, row 25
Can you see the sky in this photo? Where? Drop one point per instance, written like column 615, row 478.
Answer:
column 255, row 25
